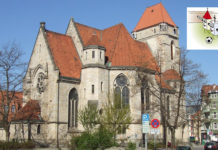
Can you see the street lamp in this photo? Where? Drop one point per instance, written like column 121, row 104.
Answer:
column 207, row 124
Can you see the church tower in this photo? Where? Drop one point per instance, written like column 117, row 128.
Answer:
column 158, row 30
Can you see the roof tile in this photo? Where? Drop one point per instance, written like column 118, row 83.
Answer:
column 208, row 88
column 154, row 15
column 171, row 74
column 31, row 111
column 65, row 54
column 121, row 48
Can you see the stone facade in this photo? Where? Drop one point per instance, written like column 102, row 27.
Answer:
column 47, row 82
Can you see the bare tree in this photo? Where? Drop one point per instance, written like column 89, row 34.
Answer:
column 169, row 97
column 12, row 69
column 194, row 100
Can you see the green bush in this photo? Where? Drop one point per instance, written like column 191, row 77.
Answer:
column 16, row 145
column 131, row 146
column 157, row 145
column 85, row 141
column 101, row 138
column 105, row 138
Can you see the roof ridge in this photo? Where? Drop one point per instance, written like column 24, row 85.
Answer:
column 88, row 26
column 115, row 42
column 154, row 5
column 113, row 26
column 57, row 33
column 162, row 13
column 127, row 39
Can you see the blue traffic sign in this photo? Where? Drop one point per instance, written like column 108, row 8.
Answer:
column 145, row 117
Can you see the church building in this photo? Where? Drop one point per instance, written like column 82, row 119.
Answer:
column 68, row 71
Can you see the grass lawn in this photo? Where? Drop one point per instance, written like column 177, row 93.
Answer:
column 200, row 34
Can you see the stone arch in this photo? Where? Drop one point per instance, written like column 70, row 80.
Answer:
column 122, row 77
column 39, row 66
column 73, row 108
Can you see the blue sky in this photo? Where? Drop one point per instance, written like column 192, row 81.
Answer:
column 20, row 21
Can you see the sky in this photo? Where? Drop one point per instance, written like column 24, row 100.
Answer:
column 20, row 21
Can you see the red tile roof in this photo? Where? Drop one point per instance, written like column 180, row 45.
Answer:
column 154, row 15
column 208, row 88
column 65, row 54
column 16, row 99
column 196, row 116
column 207, row 15
column 171, row 74
column 31, row 111
column 87, row 32
column 94, row 40
column 163, row 83
column 121, row 48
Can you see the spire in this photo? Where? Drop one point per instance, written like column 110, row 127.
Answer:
column 154, row 15
column 207, row 15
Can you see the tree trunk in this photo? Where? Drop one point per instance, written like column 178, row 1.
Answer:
column 29, row 131
column 7, row 130
column 198, row 128
column 173, row 139
column 164, row 132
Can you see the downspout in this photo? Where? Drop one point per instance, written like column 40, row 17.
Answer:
column 108, row 83
column 58, row 111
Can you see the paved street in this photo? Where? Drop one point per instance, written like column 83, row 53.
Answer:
column 198, row 147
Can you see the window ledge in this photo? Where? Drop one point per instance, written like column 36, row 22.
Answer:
column 74, row 130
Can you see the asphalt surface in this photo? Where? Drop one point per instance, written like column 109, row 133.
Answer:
column 198, row 147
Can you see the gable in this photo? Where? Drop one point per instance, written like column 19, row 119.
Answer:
column 41, row 55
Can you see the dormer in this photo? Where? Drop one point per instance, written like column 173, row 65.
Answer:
column 94, row 51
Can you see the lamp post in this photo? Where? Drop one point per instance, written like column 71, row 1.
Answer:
column 207, row 124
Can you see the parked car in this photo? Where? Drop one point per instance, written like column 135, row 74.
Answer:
column 183, row 148
column 210, row 146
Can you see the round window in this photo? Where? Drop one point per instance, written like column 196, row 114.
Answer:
column 121, row 80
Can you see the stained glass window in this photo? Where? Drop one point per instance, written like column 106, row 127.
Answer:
column 121, row 91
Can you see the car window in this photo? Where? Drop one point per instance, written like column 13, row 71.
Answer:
column 183, row 148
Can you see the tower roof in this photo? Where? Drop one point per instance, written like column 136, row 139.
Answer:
column 207, row 15
column 154, row 15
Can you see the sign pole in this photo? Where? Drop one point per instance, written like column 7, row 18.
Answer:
column 155, row 123
column 154, row 141
column 145, row 127
column 146, row 143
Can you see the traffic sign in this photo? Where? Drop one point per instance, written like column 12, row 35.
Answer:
column 155, row 123
column 145, row 123
column 155, row 131
column 145, row 117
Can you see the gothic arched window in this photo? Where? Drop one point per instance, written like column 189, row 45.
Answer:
column 121, row 91
column 73, row 108
column 125, row 96
column 172, row 49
